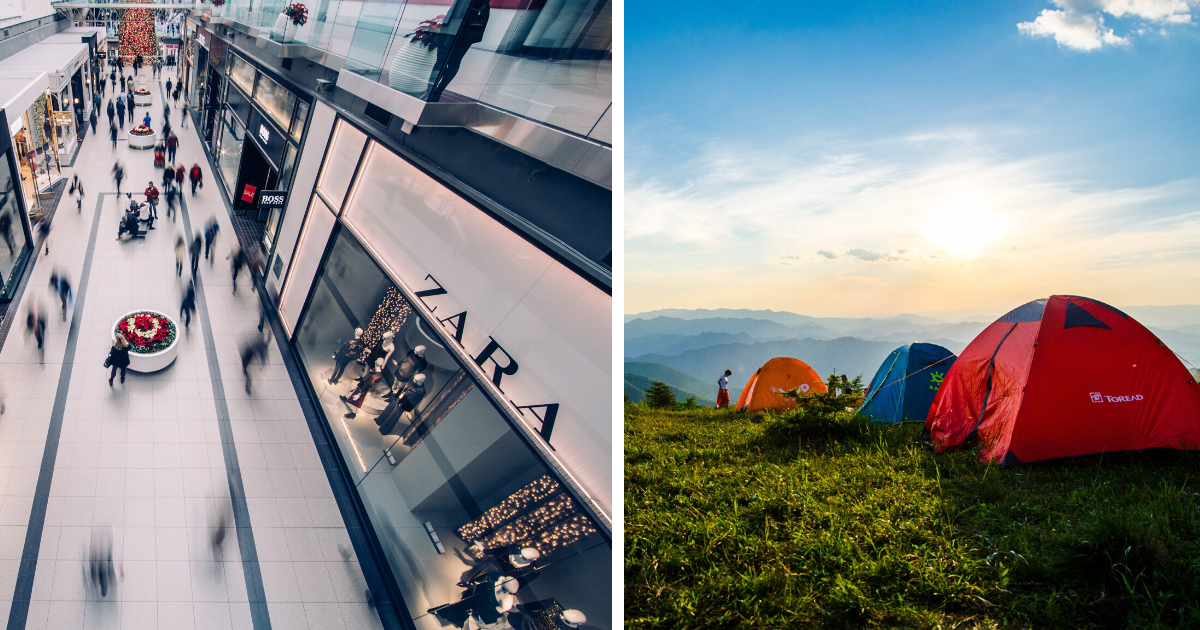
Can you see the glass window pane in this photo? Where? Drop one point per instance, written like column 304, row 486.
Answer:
column 460, row 472
column 300, row 120
column 340, row 162
column 289, row 166
column 229, row 155
column 12, row 232
column 242, row 73
column 276, row 100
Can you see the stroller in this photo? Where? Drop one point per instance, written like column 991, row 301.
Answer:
column 160, row 155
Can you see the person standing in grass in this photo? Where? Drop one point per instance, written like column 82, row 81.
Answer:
column 723, row 390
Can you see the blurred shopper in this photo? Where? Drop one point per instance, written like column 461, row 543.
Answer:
column 118, row 357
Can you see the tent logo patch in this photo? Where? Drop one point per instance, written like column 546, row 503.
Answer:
column 1098, row 397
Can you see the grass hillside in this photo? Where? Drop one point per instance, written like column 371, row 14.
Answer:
column 636, row 386
column 823, row 520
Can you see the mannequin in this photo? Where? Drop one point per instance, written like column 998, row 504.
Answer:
column 346, row 353
column 383, row 350
column 365, row 383
column 412, row 363
column 404, row 405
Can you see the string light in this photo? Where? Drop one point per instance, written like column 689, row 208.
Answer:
column 554, row 522
column 393, row 311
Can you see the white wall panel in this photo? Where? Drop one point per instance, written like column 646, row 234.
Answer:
column 317, row 227
column 319, row 127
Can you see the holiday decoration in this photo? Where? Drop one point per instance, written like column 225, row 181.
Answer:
column 147, row 332
column 298, row 13
column 141, row 92
column 142, row 130
column 391, row 314
column 137, row 36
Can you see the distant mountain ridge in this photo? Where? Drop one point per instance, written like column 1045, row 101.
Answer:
column 639, row 376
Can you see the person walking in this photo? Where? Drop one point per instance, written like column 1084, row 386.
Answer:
column 112, row 132
column 118, row 357
column 185, row 110
column 172, row 144
column 77, row 192
column 194, row 250
column 151, row 198
column 179, row 175
column 35, row 323
column 180, row 254
column 188, row 307
column 254, row 348
column 111, row 111
column 122, row 82
column 166, row 113
column 121, row 108
column 62, row 287
column 723, row 390
column 238, row 261
column 92, row 119
column 197, row 177
column 212, row 229
column 168, row 86
column 118, row 174
column 96, row 101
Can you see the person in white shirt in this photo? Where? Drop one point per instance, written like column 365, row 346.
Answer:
column 723, row 390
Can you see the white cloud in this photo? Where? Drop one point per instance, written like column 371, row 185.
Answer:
column 827, row 254
column 1079, row 31
column 1079, row 24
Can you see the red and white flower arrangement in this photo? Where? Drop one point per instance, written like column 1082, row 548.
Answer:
column 142, row 130
column 217, row 3
column 141, row 91
column 147, row 332
column 298, row 13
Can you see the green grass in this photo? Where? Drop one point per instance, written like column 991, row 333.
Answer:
column 824, row 520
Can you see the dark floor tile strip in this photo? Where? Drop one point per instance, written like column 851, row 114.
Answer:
column 366, row 546
column 259, row 613
column 19, row 613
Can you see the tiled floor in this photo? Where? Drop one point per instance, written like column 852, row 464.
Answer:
column 146, row 457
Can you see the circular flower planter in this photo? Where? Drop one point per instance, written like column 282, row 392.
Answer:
column 142, row 99
column 138, row 140
column 153, row 339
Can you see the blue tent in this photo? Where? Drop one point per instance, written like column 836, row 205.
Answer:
column 903, row 388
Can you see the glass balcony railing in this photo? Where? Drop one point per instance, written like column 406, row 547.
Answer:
column 546, row 60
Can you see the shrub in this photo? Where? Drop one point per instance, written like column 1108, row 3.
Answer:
column 660, row 396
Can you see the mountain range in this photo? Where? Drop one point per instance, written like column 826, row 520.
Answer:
column 694, row 347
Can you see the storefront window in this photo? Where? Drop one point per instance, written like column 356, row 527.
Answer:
column 12, row 231
column 230, row 153
column 242, row 73
column 454, row 494
column 300, row 120
column 276, row 100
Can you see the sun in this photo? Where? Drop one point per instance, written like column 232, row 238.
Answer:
column 963, row 225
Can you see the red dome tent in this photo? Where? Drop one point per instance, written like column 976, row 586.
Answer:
column 1063, row 377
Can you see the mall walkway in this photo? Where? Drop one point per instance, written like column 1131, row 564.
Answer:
column 154, row 458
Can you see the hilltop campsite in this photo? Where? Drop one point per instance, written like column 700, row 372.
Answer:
column 838, row 507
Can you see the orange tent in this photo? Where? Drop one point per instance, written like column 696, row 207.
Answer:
column 778, row 375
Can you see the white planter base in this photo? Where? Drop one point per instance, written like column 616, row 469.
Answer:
column 143, row 99
column 150, row 362
column 142, row 142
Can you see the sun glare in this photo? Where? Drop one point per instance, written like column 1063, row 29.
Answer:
column 963, row 225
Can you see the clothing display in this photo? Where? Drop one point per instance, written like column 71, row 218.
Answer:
column 345, row 354
column 406, row 401
column 365, row 383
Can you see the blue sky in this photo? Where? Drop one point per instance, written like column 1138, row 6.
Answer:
column 874, row 158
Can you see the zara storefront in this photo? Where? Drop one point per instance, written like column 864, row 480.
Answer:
column 465, row 375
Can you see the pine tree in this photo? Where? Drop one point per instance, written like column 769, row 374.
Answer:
column 660, row 396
